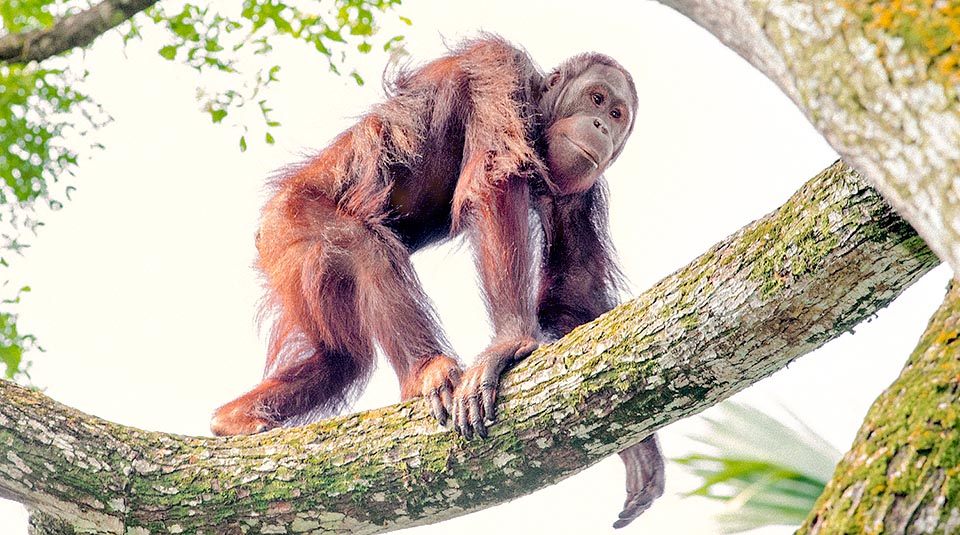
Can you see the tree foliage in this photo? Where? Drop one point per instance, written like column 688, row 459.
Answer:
column 41, row 107
column 233, row 48
column 47, row 118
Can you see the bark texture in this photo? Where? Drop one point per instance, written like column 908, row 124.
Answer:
column 69, row 32
column 878, row 79
column 901, row 475
column 831, row 257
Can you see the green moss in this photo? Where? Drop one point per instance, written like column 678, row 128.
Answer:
column 789, row 243
column 910, row 438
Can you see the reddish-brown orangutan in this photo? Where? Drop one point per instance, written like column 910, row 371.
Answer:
column 479, row 143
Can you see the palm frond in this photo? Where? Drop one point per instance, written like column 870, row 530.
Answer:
column 767, row 472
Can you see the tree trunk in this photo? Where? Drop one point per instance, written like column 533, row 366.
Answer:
column 878, row 79
column 781, row 287
column 900, row 475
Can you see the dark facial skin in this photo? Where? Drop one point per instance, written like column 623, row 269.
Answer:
column 594, row 113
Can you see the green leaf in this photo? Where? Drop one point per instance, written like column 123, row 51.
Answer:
column 394, row 42
column 207, row 40
column 243, row 144
column 762, row 481
column 272, row 74
column 334, row 35
column 11, row 356
column 169, row 52
column 269, row 138
column 13, row 344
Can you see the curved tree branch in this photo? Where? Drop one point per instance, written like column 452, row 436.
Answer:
column 900, row 472
column 69, row 32
column 880, row 82
column 781, row 287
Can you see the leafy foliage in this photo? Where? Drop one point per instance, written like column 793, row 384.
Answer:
column 208, row 40
column 12, row 343
column 39, row 107
column 766, row 472
column 44, row 113
column 25, row 15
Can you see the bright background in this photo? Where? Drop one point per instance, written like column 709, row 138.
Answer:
column 144, row 293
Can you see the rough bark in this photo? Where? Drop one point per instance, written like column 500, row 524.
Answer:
column 832, row 256
column 900, row 475
column 42, row 523
column 69, row 32
column 878, row 79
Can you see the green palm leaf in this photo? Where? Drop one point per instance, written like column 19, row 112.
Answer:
column 766, row 472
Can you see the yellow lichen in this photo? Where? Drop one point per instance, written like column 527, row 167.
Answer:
column 928, row 29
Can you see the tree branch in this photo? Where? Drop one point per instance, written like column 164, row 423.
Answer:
column 69, row 32
column 781, row 287
column 879, row 82
column 900, row 472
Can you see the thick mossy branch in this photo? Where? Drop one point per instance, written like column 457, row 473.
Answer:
column 69, row 32
column 831, row 257
column 901, row 474
column 879, row 80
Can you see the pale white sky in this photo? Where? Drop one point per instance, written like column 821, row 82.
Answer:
column 144, row 293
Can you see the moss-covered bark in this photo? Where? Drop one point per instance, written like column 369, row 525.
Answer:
column 901, row 475
column 781, row 287
column 877, row 78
